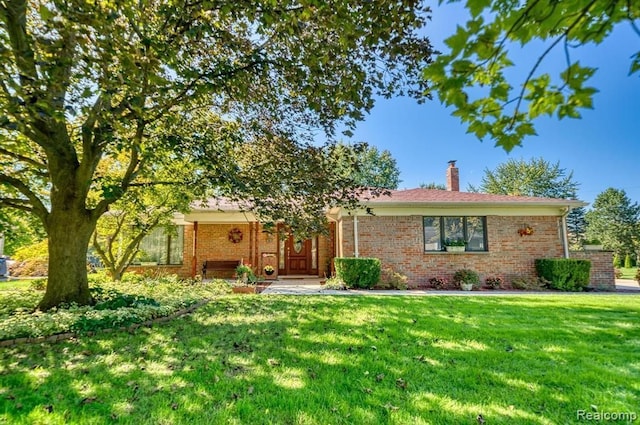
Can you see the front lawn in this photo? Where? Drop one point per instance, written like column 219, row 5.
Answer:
column 341, row 360
column 629, row 273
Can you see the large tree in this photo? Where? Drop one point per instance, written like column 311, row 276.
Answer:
column 615, row 221
column 474, row 75
column 84, row 81
column 368, row 166
column 536, row 177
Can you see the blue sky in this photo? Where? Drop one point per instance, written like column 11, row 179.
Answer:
column 602, row 149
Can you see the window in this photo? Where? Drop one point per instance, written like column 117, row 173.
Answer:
column 163, row 246
column 439, row 229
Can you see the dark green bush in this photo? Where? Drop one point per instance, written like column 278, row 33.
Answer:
column 627, row 262
column 358, row 272
column 565, row 274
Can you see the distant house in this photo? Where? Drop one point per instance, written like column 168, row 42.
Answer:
column 408, row 231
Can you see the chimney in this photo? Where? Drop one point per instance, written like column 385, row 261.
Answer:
column 453, row 178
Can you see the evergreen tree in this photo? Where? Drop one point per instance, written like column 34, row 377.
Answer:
column 613, row 219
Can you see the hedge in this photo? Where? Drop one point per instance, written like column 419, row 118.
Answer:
column 565, row 274
column 358, row 272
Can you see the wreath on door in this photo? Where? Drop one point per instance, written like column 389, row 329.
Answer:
column 235, row 235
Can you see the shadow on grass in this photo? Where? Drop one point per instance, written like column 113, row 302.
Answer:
column 333, row 360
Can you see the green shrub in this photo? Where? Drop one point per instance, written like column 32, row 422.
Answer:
column 38, row 284
column 627, row 262
column 390, row 279
column 37, row 251
column 617, row 262
column 493, row 282
column 466, row 276
column 530, row 283
column 438, row 282
column 565, row 274
column 335, row 283
column 358, row 272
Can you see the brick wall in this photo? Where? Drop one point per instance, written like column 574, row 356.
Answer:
column 214, row 244
column 399, row 242
column 602, row 276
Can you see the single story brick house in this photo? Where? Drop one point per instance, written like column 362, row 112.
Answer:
column 407, row 231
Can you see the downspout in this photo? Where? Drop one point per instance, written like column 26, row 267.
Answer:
column 565, row 238
column 194, row 258
column 355, row 235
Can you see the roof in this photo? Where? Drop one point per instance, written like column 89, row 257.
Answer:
column 424, row 197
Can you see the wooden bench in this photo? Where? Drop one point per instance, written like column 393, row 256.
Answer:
column 219, row 268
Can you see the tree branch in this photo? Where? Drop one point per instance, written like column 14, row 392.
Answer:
column 22, row 158
column 20, row 204
column 36, row 205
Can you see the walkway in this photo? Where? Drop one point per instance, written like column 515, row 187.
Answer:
column 312, row 286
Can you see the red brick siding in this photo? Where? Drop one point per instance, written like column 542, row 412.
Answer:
column 399, row 242
column 602, row 276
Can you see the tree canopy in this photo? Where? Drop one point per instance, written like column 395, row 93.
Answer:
column 615, row 220
column 84, row 81
column 474, row 76
column 536, row 177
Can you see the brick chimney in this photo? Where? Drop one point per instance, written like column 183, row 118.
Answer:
column 453, row 178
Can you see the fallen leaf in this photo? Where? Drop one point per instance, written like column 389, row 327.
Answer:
column 401, row 383
column 273, row 362
column 49, row 408
column 391, row 407
column 367, row 390
column 88, row 400
column 174, row 406
column 380, row 377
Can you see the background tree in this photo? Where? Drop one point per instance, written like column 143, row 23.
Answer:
column 614, row 220
column 84, row 81
column 576, row 227
column 472, row 75
column 370, row 167
column 19, row 230
column 537, row 177
column 433, row 185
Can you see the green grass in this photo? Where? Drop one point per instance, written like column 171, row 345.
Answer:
column 14, row 284
column 629, row 273
column 341, row 360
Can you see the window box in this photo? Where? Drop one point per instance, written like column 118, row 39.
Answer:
column 455, row 248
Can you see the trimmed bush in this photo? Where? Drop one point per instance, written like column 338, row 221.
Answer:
column 617, row 262
column 390, row 279
column 565, row 274
column 358, row 272
column 627, row 262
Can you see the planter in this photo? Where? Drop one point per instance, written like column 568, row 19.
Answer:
column 466, row 286
column 244, row 289
column 592, row 247
column 269, row 272
column 455, row 248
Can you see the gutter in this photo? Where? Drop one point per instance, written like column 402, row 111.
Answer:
column 565, row 238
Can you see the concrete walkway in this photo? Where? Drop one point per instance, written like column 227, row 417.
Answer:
column 312, row 286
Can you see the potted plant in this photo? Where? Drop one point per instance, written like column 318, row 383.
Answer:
column 455, row 245
column 592, row 245
column 268, row 270
column 246, row 279
column 466, row 279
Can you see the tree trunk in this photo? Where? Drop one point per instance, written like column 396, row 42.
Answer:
column 69, row 233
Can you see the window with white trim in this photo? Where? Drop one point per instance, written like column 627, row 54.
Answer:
column 471, row 229
column 162, row 246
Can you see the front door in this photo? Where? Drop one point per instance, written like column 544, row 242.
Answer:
column 298, row 256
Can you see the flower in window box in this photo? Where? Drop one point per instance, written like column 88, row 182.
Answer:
column 268, row 269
